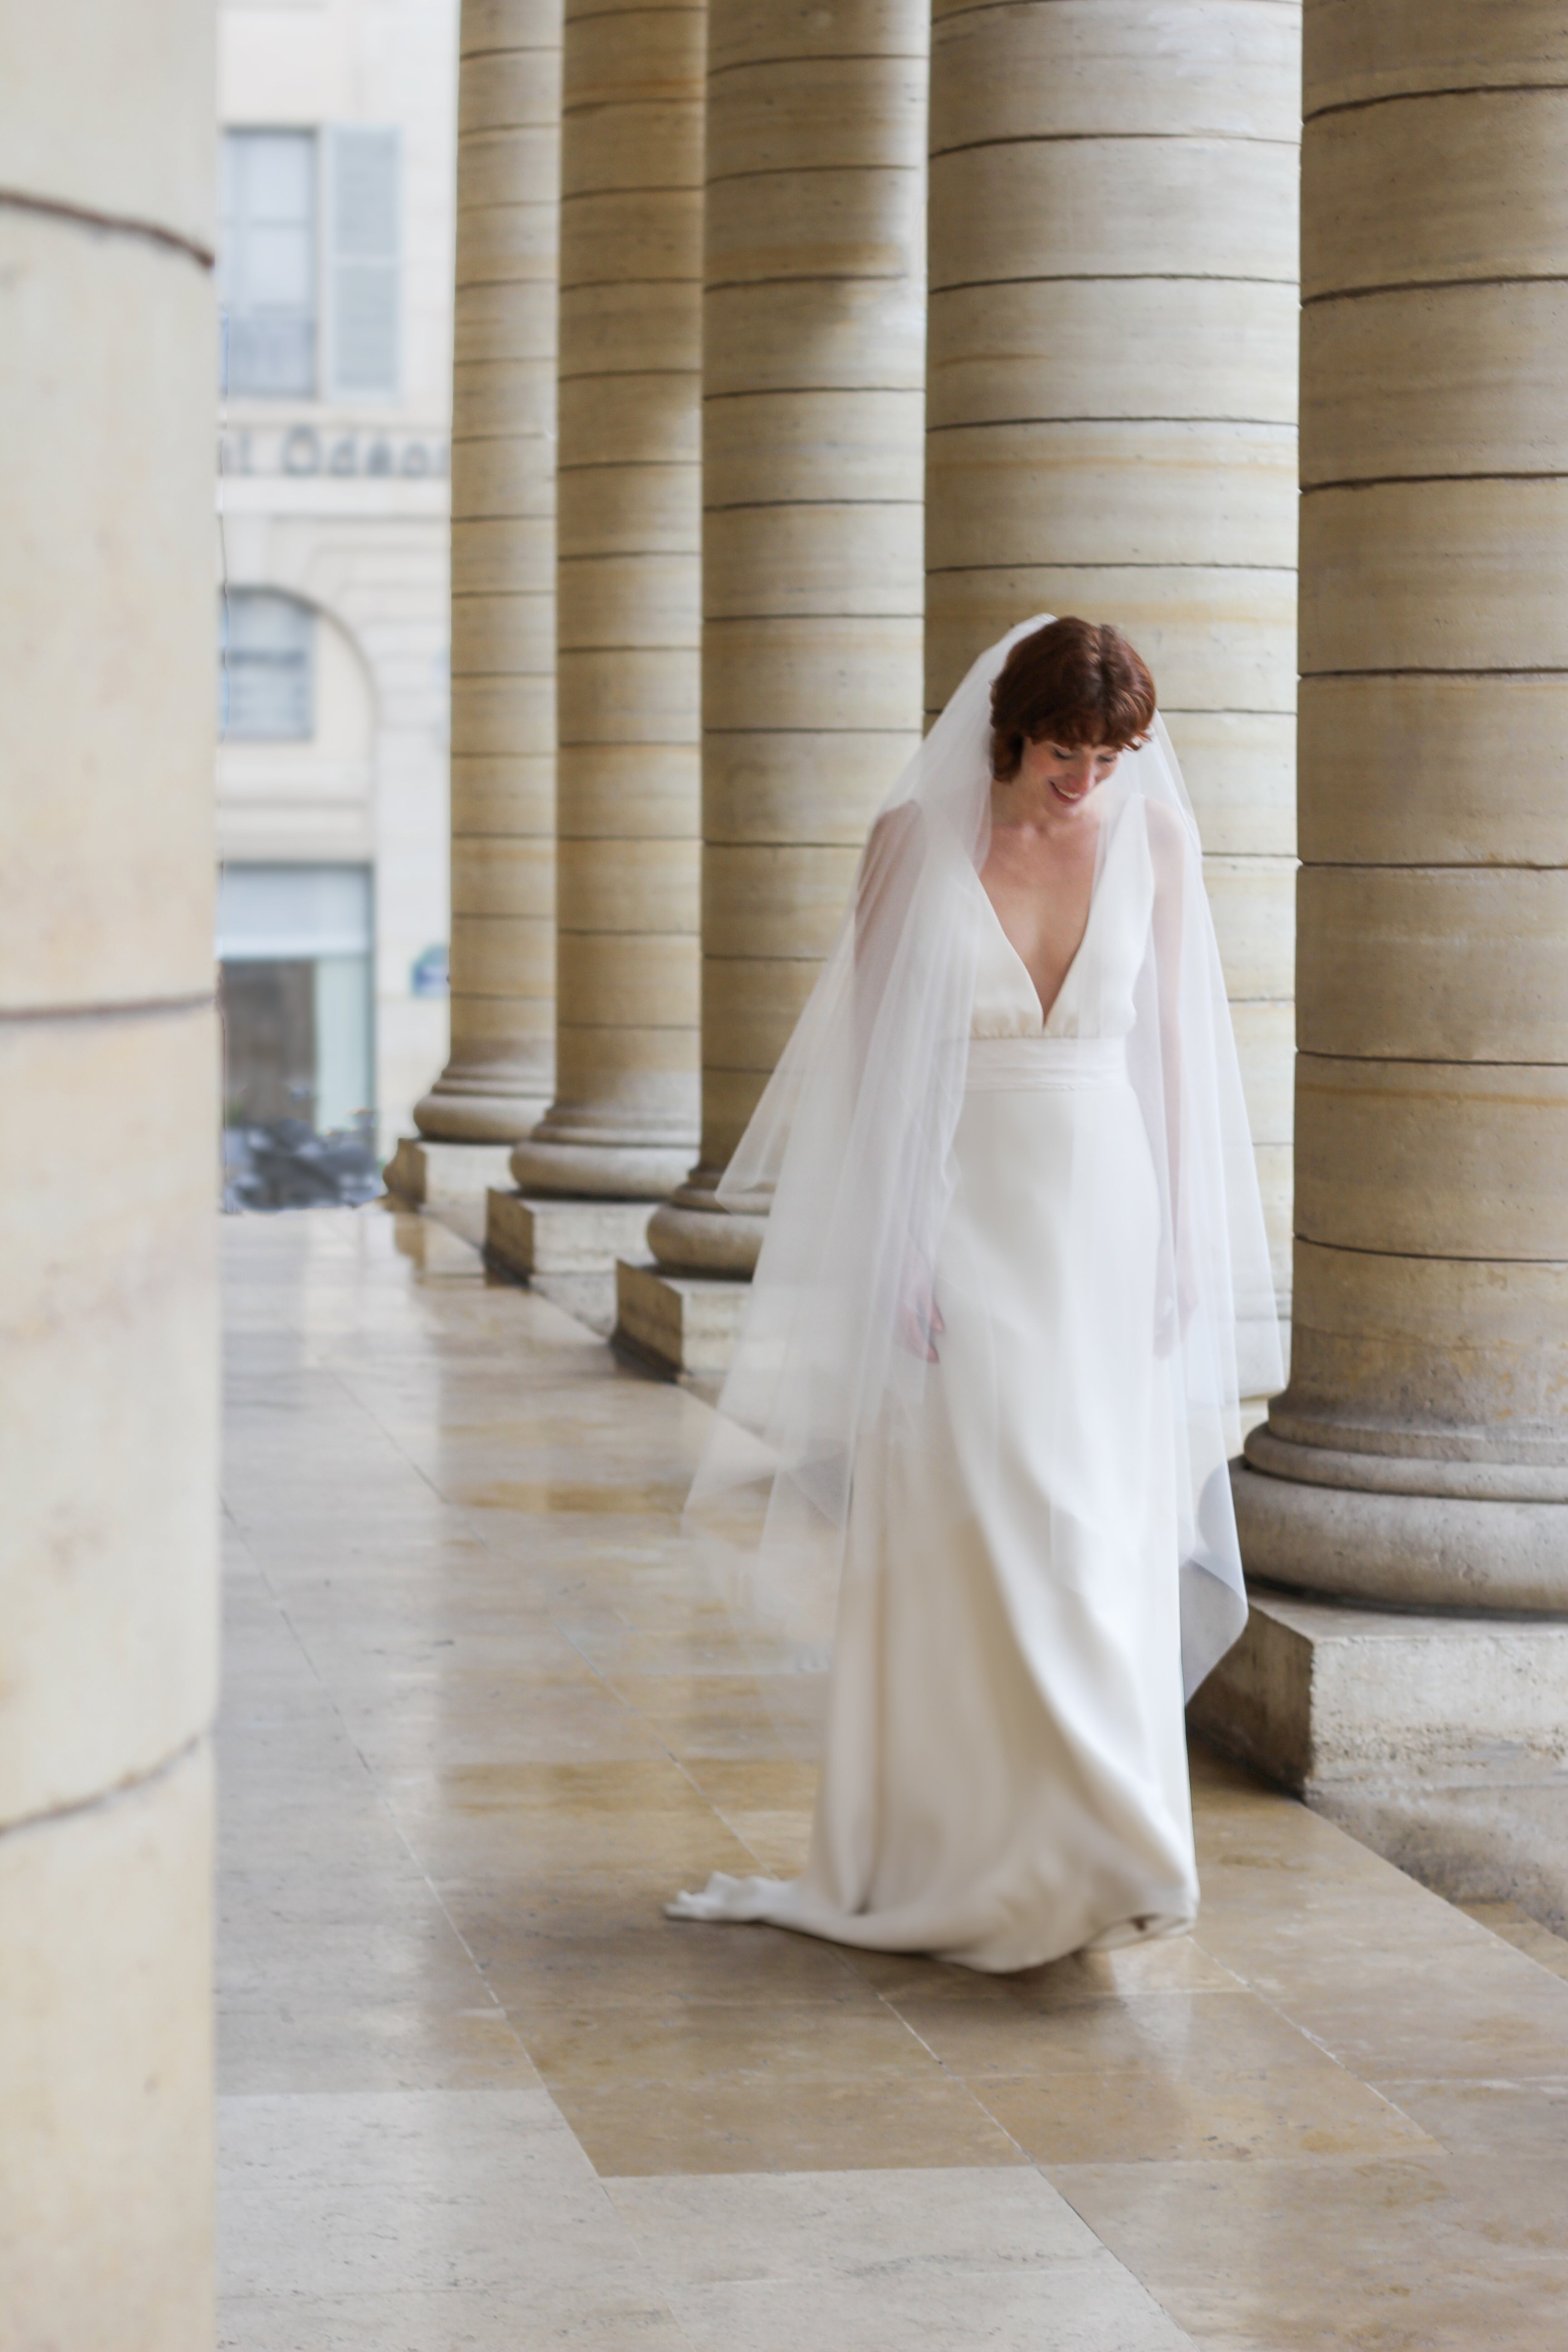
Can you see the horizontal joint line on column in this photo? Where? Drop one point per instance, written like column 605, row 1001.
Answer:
column 1387, row 481
column 830, row 506
column 808, row 391
column 1429, row 864
column 1433, row 286
column 804, row 170
column 1082, row 563
column 637, row 8
column 808, row 277
column 987, row 7
column 597, row 285
column 1111, row 138
column 1415, row 669
column 749, row 620
column 873, row 734
column 827, row 58
column 1105, row 278
column 107, row 224
column 633, row 375
column 643, row 188
column 1421, row 1257
column 1412, row 97
column 141, row 1008
column 988, row 423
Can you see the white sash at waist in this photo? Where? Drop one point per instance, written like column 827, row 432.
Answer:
column 1003, row 1064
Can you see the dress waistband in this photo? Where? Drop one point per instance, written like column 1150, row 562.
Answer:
column 1001, row 1064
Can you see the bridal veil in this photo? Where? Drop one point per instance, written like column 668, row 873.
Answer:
column 851, row 1152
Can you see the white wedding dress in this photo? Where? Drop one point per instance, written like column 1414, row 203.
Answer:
column 1003, row 1777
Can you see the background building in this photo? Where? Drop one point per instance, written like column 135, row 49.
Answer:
column 335, row 296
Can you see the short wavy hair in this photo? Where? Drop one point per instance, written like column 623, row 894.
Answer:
column 1074, row 683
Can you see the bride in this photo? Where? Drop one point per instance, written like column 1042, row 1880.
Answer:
column 993, row 1361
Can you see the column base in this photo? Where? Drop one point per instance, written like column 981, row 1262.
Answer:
column 552, row 1236
column 1403, row 1530
column 607, row 1171
column 684, row 1325
column 468, row 1115
column 706, row 1241
column 1441, row 1741
column 423, row 1173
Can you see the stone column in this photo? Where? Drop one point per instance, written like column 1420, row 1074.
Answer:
column 498, row 1078
column 1419, row 1457
column 812, row 430
column 624, row 1123
column 1113, row 409
column 108, row 1175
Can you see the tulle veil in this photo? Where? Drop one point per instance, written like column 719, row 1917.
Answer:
column 851, row 1152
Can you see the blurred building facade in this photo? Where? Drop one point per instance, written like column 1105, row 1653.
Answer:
column 334, row 292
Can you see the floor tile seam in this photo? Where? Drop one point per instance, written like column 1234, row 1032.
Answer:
column 1316, row 2040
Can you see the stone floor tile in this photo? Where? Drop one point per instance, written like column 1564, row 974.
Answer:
column 733, row 2124
column 367, row 2192
column 1422, row 2254
column 450, row 2321
column 1083, row 2306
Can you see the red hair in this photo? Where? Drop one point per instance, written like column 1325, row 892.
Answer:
column 1076, row 683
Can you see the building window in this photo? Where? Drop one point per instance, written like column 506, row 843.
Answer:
column 308, row 284
column 266, row 282
column 294, row 952
column 363, row 228
column 266, row 668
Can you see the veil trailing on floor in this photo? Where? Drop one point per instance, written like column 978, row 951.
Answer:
column 851, row 1152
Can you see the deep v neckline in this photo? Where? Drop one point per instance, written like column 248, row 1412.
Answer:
column 1094, row 897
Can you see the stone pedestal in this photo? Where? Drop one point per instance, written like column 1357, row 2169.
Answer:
column 546, row 1236
column 1441, row 1740
column 682, row 1324
column 498, row 1082
column 429, row 1175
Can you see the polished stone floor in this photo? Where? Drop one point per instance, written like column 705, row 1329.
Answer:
column 481, row 1718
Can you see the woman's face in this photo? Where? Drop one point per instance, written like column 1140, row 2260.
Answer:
column 1065, row 772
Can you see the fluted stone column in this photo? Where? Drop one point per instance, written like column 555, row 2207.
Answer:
column 812, row 431
column 1113, row 409
column 499, row 1080
column 624, row 1123
column 109, row 1166
column 1420, row 1455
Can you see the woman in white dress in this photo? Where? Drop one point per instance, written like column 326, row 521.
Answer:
column 992, row 1367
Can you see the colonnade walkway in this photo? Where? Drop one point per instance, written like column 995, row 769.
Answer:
column 481, row 1718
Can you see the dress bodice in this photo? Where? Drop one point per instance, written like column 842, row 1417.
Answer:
column 1096, row 999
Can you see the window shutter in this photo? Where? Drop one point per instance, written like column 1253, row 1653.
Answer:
column 363, row 241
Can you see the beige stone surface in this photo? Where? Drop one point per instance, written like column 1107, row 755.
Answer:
column 812, row 437
column 1190, row 348
column 1126, row 68
column 1450, row 963
column 503, row 591
column 1492, row 752
column 1442, row 1158
column 1476, row 389
column 107, row 615
column 1351, row 55
column 479, row 2088
column 1436, row 576
column 1457, row 185
column 628, row 609
column 546, row 1236
column 678, row 1322
column 108, row 1434
column 1464, row 1357
column 95, row 87
column 106, row 2144
column 427, row 1174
